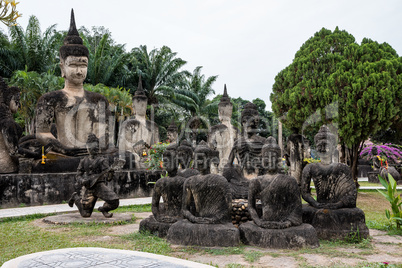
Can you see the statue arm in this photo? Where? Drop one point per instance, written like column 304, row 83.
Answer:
column 306, row 189
column 254, row 189
column 155, row 201
column 187, row 194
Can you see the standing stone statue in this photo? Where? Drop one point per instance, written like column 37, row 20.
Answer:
column 278, row 222
column 76, row 112
column 334, row 214
column 139, row 134
column 222, row 136
column 93, row 173
column 170, row 189
column 10, row 130
column 206, row 207
column 247, row 148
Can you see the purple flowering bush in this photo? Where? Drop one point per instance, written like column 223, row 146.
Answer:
column 389, row 152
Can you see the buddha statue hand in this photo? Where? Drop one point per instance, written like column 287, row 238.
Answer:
column 167, row 219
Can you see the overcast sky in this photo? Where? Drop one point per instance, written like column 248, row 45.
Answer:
column 246, row 43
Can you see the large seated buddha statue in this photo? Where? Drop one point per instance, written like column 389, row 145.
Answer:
column 206, row 207
column 77, row 113
column 333, row 213
column 277, row 222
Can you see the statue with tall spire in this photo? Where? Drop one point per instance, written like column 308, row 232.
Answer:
column 77, row 113
column 223, row 135
column 139, row 134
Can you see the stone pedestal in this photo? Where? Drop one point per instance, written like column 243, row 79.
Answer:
column 293, row 237
column 208, row 235
column 154, row 227
column 332, row 224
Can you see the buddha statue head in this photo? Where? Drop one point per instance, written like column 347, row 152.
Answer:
column 10, row 96
column 140, row 101
column 204, row 157
column 73, row 56
column 170, row 159
column 184, row 154
column 92, row 145
column 172, row 132
column 271, row 156
column 325, row 143
column 225, row 108
column 250, row 119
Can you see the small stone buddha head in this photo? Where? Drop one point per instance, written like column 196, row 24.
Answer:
column 92, row 144
column 225, row 108
column 184, row 154
column 170, row 159
column 10, row 96
column 204, row 157
column 271, row 156
column 172, row 132
column 73, row 56
column 325, row 143
column 140, row 101
column 250, row 118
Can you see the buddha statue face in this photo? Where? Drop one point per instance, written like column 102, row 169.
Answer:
column 14, row 103
column 325, row 145
column 270, row 161
column 225, row 112
column 169, row 161
column 74, row 69
column 140, row 107
column 201, row 162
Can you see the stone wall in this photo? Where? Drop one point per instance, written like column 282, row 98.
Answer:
column 56, row 188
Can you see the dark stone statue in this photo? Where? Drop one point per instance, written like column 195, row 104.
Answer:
column 334, row 213
column 10, row 130
column 206, row 207
column 170, row 189
column 92, row 174
column 278, row 222
column 247, row 148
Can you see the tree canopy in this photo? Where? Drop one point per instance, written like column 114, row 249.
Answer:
column 332, row 79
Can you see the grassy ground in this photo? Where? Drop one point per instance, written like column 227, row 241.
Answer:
column 24, row 235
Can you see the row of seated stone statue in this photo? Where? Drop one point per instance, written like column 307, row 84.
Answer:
column 197, row 205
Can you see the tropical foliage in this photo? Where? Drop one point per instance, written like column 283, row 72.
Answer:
column 395, row 200
column 8, row 12
column 332, row 79
column 155, row 157
column 389, row 152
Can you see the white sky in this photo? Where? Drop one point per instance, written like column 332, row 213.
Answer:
column 246, row 43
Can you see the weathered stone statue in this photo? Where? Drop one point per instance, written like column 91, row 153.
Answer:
column 296, row 150
column 207, row 205
column 172, row 133
column 222, row 136
column 247, row 148
column 334, row 213
column 93, row 173
column 139, row 134
column 278, row 222
column 170, row 189
column 76, row 112
column 10, row 130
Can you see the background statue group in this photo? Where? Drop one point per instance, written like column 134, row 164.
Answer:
column 196, row 205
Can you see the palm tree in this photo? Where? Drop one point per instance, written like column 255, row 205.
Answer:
column 160, row 73
column 37, row 51
column 9, row 58
column 199, row 88
column 106, row 60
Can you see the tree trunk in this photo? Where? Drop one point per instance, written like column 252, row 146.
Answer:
column 354, row 155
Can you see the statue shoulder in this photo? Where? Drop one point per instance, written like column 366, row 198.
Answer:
column 219, row 127
column 52, row 98
column 94, row 97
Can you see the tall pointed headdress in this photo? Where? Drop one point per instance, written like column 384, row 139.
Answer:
column 225, row 100
column 73, row 45
column 140, row 93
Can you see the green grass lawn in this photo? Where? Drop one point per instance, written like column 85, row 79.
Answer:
column 25, row 235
